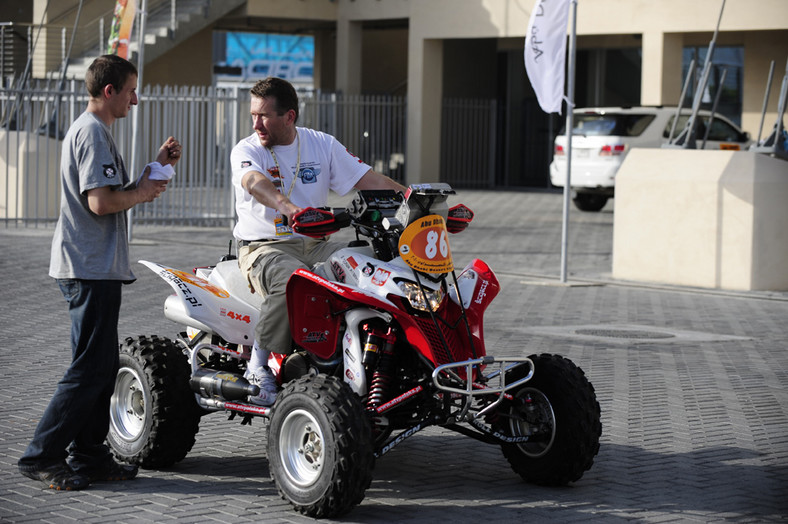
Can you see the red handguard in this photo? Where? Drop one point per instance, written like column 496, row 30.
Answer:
column 458, row 219
column 315, row 222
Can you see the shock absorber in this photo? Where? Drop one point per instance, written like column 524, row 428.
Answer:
column 377, row 358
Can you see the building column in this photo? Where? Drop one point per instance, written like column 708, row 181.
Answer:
column 661, row 74
column 325, row 68
column 425, row 96
column 348, row 78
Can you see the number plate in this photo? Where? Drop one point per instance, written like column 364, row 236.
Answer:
column 424, row 245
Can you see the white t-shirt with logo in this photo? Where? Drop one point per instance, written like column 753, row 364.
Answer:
column 325, row 165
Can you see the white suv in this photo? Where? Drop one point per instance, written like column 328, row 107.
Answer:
column 604, row 135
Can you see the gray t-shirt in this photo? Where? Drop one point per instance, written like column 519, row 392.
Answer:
column 85, row 245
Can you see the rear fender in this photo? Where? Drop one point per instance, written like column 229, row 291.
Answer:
column 201, row 305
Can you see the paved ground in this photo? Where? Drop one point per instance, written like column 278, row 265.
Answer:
column 693, row 387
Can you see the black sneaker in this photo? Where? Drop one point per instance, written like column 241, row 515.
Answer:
column 57, row 476
column 109, row 471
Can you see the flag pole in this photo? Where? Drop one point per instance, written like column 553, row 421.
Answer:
column 135, row 116
column 570, row 109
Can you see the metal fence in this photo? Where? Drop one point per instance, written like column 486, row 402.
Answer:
column 206, row 120
column 468, row 142
column 372, row 127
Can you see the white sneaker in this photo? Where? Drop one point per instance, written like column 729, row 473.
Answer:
column 265, row 380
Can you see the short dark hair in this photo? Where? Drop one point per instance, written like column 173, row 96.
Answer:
column 108, row 70
column 282, row 91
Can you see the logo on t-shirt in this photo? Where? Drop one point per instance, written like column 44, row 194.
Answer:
column 246, row 163
column 354, row 156
column 308, row 175
column 109, row 170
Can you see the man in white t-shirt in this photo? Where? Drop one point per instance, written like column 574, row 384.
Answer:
column 277, row 171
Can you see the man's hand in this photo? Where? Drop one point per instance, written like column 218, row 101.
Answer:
column 104, row 200
column 169, row 152
column 289, row 210
column 149, row 189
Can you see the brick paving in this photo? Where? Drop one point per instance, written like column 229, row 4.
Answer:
column 693, row 386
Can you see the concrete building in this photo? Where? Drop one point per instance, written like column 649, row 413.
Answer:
column 629, row 52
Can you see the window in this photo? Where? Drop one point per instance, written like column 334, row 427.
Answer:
column 611, row 124
column 726, row 58
column 720, row 131
column 723, row 132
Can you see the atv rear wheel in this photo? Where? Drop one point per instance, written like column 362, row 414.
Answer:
column 559, row 410
column 319, row 446
column 153, row 415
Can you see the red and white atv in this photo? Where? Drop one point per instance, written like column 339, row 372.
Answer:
column 387, row 340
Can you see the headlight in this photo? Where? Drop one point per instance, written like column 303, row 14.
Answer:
column 415, row 296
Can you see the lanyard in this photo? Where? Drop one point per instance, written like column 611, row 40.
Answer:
column 298, row 164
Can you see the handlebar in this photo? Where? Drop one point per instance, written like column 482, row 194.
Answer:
column 378, row 213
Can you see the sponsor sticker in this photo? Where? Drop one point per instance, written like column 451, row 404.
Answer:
column 380, row 277
column 199, row 282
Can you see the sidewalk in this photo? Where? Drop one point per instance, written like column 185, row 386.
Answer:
column 693, row 386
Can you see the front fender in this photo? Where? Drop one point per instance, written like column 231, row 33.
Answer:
column 314, row 304
column 199, row 304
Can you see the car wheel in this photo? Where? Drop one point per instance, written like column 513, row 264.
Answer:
column 589, row 202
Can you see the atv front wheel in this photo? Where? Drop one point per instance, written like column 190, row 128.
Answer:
column 319, row 446
column 153, row 415
column 559, row 412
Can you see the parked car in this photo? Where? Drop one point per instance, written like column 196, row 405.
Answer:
column 604, row 135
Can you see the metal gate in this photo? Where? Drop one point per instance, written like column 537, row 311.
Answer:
column 207, row 121
column 468, row 142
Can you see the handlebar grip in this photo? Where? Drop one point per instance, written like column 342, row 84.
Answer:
column 315, row 222
column 342, row 218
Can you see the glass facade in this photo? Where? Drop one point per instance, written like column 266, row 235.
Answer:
column 726, row 58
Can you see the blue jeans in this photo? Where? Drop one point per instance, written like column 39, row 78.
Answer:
column 76, row 421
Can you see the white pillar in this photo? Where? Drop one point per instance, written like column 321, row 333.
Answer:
column 660, row 75
column 348, row 78
column 425, row 96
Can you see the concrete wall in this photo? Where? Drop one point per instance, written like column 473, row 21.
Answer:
column 23, row 194
column 289, row 9
column 61, row 14
column 177, row 68
column 713, row 219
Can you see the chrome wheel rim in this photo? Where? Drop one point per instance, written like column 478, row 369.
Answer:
column 301, row 448
column 128, row 405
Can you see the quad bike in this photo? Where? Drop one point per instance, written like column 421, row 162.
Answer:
column 387, row 340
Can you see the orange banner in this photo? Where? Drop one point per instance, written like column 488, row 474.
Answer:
column 122, row 23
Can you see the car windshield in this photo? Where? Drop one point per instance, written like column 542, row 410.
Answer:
column 609, row 124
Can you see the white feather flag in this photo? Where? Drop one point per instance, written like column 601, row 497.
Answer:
column 545, row 52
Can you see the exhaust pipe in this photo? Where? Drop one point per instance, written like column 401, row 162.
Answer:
column 223, row 384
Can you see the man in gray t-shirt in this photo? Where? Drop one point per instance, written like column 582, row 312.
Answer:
column 90, row 261
column 86, row 245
